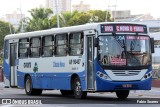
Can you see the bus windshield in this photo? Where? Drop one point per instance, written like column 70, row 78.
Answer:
column 124, row 50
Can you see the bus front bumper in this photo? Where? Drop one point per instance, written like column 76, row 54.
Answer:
column 103, row 85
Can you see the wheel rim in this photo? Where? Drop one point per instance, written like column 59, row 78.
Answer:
column 78, row 88
column 28, row 84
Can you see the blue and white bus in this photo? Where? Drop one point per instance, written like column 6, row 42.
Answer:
column 96, row 57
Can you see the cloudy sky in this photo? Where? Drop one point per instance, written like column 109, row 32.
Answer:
column 136, row 6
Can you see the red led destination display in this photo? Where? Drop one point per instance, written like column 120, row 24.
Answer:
column 129, row 28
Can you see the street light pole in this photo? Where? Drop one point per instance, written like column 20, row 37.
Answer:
column 57, row 14
column 22, row 28
column 10, row 28
column 70, row 6
column 114, row 9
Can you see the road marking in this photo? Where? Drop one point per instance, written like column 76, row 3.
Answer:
column 7, row 105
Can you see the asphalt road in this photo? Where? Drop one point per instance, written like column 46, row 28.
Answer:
column 54, row 97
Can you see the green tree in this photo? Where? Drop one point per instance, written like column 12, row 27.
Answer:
column 64, row 19
column 5, row 29
column 79, row 19
column 53, row 21
column 99, row 16
column 88, row 17
column 39, row 20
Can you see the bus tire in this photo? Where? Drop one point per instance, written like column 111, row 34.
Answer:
column 122, row 94
column 29, row 89
column 66, row 92
column 77, row 89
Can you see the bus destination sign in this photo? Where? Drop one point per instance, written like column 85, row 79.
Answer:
column 128, row 28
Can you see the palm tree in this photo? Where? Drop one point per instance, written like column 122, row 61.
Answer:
column 39, row 19
column 66, row 17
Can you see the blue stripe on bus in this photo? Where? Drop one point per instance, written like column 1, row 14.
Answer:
column 50, row 81
column 6, row 69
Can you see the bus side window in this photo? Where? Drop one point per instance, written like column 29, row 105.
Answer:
column 48, row 46
column 6, row 49
column 35, row 47
column 23, row 48
column 76, row 44
column 61, row 41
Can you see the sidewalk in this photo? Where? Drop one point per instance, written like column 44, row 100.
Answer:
column 1, row 85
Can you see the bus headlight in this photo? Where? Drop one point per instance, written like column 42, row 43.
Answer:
column 103, row 76
column 146, row 76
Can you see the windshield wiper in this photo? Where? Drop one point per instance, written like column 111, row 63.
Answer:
column 132, row 46
column 120, row 42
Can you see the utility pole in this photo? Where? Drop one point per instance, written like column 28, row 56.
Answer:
column 22, row 28
column 57, row 13
column 114, row 9
column 10, row 28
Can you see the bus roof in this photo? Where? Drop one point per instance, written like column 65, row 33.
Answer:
column 52, row 31
column 77, row 28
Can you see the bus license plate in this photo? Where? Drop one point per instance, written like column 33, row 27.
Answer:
column 127, row 85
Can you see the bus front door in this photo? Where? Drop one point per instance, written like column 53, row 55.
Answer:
column 13, row 71
column 90, row 69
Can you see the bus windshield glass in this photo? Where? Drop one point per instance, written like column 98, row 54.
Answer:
column 124, row 50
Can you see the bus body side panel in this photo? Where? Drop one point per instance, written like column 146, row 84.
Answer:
column 49, row 81
column 104, row 84
column 6, row 72
column 6, row 68
column 47, row 73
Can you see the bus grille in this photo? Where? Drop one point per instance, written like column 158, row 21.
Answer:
column 125, row 73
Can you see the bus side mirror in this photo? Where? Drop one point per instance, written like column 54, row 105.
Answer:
column 152, row 44
column 96, row 42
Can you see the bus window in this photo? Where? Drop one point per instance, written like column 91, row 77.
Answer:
column 61, row 45
column 6, row 49
column 23, row 48
column 48, row 46
column 35, row 47
column 76, row 43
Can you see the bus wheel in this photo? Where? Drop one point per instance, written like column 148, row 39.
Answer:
column 66, row 92
column 28, row 87
column 122, row 94
column 77, row 88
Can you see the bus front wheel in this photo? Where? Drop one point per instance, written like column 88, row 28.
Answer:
column 29, row 89
column 77, row 88
column 122, row 94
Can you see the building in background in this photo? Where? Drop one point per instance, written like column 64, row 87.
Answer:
column 81, row 7
column 63, row 5
column 153, row 25
column 13, row 18
column 120, row 14
column 125, row 15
